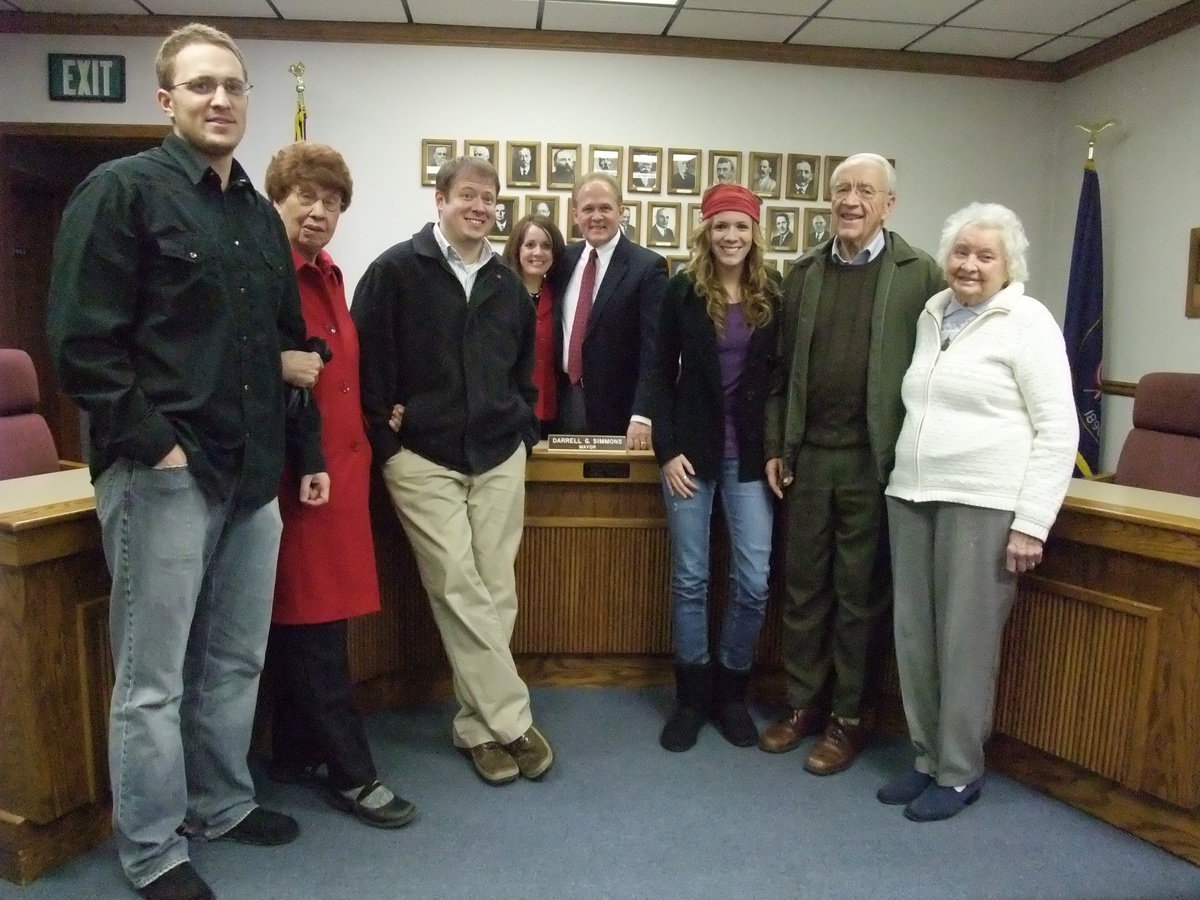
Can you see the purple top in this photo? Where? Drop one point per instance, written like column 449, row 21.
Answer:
column 732, row 345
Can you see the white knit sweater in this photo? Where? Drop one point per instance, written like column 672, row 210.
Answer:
column 990, row 421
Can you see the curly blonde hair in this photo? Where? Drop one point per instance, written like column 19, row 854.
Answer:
column 759, row 292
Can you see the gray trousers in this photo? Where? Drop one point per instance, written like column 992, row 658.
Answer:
column 952, row 598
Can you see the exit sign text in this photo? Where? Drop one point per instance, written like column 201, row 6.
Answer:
column 87, row 77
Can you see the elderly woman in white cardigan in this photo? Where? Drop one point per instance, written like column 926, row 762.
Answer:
column 982, row 465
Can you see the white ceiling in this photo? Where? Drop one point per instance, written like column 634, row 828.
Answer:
column 1030, row 30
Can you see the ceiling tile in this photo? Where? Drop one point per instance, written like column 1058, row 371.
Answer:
column 344, row 11
column 1059, row 48
column 928, row 12
column 617, row 18
column 81, row 7
column 1126, row 17
column 734, row 26
column 1045, row 17
column 493, row 14
column 978, row 42
column 208, row 9
column 847, row 33
column 780, row 7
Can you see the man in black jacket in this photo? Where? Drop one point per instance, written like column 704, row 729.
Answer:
column 171, row 297
column 605, row 350
column 446, row 336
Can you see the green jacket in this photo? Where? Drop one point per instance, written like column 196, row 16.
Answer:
column 907, row 278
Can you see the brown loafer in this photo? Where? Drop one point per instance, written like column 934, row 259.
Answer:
column 532, row 753
column 837, row 747
column 492, row 763
column 788, row 732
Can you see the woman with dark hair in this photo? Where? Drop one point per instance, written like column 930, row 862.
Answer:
column 326, row 568
column 535, row 245
column 716, row 332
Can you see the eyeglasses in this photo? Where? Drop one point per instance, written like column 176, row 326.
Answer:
column 332, row 203
column 865, row 191
column 205, row 87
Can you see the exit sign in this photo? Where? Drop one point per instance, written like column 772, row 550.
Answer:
column 87, row 77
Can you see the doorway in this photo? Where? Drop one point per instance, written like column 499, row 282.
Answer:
column 40, row 165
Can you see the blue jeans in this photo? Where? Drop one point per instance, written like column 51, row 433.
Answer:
column 192, row 586
column 749, row 514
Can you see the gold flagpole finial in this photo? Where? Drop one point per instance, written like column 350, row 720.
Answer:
column 301, row 130
column 1093, row 129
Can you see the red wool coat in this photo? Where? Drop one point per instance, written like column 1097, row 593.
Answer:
column 327, row 556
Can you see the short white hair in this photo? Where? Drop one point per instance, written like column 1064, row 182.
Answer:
column 873, row 159
column 991, row 216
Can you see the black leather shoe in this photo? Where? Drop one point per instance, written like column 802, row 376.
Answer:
column 263, row 828
column 177, row 883
column 396, row 813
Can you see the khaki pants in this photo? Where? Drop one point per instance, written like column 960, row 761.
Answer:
column 464, row 531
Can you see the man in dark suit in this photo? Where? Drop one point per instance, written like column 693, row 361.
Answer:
column 627, row 227
column 604, row 371
column 683, row 174
column 662, row 232
column 522, row 165
column 783, row 237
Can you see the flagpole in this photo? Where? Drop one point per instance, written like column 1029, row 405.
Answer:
column 300, row 132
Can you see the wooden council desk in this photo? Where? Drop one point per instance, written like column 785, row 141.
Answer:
column 1098, row 701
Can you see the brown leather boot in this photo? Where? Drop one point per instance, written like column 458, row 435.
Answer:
column 788, row 732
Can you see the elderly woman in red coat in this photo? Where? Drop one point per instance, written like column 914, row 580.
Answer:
column 326, row 558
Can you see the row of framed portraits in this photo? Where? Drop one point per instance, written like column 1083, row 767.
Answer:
column 667, row 224
column 554, row 167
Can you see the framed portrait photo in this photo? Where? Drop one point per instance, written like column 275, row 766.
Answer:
column 786, row 268
column 562, row 166
column 435, row 152
column 818, row 226
column 524, row 164
column 779, row 227
column 485, row 150
column 543, row 205
column 631, row 220
column 693, row 221
column 683, row 171
column 771, row 264
column 724, row 167
column 765, row 175
column 662, row 224
column 607, row 159
column 644, row 166
column 831, row 163
column 803, row 174
column 506, row 218
column 676, row 264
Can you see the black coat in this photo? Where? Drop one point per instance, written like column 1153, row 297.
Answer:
column 618, row 350
column 687, row 399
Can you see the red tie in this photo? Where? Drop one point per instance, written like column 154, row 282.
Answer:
column 587, row 287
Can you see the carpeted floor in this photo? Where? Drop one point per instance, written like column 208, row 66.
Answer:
column 618, row 817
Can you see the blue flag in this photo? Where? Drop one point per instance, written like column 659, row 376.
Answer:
column 1083, row 328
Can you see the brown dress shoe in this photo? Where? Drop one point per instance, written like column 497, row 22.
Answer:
column 788, row 732
column 837, row 747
